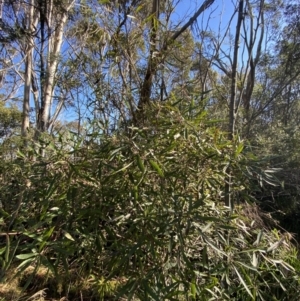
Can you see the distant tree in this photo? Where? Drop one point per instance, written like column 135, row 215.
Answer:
column 10, row 120
column 10, row 127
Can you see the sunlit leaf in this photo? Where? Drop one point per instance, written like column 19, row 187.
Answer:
column 26, row 256
column 68, row 236
column 243, row 282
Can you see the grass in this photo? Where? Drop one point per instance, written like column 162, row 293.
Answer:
column 44, row 286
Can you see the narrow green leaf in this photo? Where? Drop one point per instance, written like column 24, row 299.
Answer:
column 208, row 218
column 156, row 167
column 280, row 283
column 115, row 151
column 12, row 255
column 45, row 238
column 51, row 188
column 48, row 233
column 246, row 266
column 19, row 153
column 193, row 290
column 213, row 245
column 23, row 266
column 26, row 256
column 239, row 149
column 150, row 291
column 258, row 239
column 122, row 169
column 243, row 282
column 139, row 7
column 205, row 257
column 252, row 250
column 227, row 227
column 140, row 163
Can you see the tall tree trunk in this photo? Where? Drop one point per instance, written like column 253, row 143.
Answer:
column 233, row 98
column 233, row 88
column 31, row 24
column 153, row 60
column 27, row 89
column 54, row 48
column 255, row 38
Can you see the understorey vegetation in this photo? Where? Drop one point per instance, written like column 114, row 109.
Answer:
column 140, row 215
column 149, row 150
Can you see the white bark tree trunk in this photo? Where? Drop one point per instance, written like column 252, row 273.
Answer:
column 31, row 24
column 54, row 49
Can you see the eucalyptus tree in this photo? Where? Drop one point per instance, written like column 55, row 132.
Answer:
column 256, row 57
column 10, row 125
column 36, row 31
column 129, row 53
column 276, row 111
column 10, row 120
column 10, row 66
column 156, row 53
column 266, row 67
column 236, row 52
column 282, row 71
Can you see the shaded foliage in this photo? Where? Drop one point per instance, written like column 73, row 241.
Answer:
column 141, row 214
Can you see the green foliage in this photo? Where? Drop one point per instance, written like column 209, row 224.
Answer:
column 10, row 119
column 141, row 214
column 10, row 124
column 278, row 146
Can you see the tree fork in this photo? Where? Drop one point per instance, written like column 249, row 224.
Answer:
column 153, row 62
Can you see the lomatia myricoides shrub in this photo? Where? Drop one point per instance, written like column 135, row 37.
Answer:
column 141, row 214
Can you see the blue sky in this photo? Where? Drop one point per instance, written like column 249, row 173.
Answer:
column 218, row 14
column 216, row 19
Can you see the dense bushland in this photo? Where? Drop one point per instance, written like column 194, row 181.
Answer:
column 139, row 215
column 125, row 126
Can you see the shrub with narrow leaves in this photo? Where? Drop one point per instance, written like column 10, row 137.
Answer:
column 141, row 214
